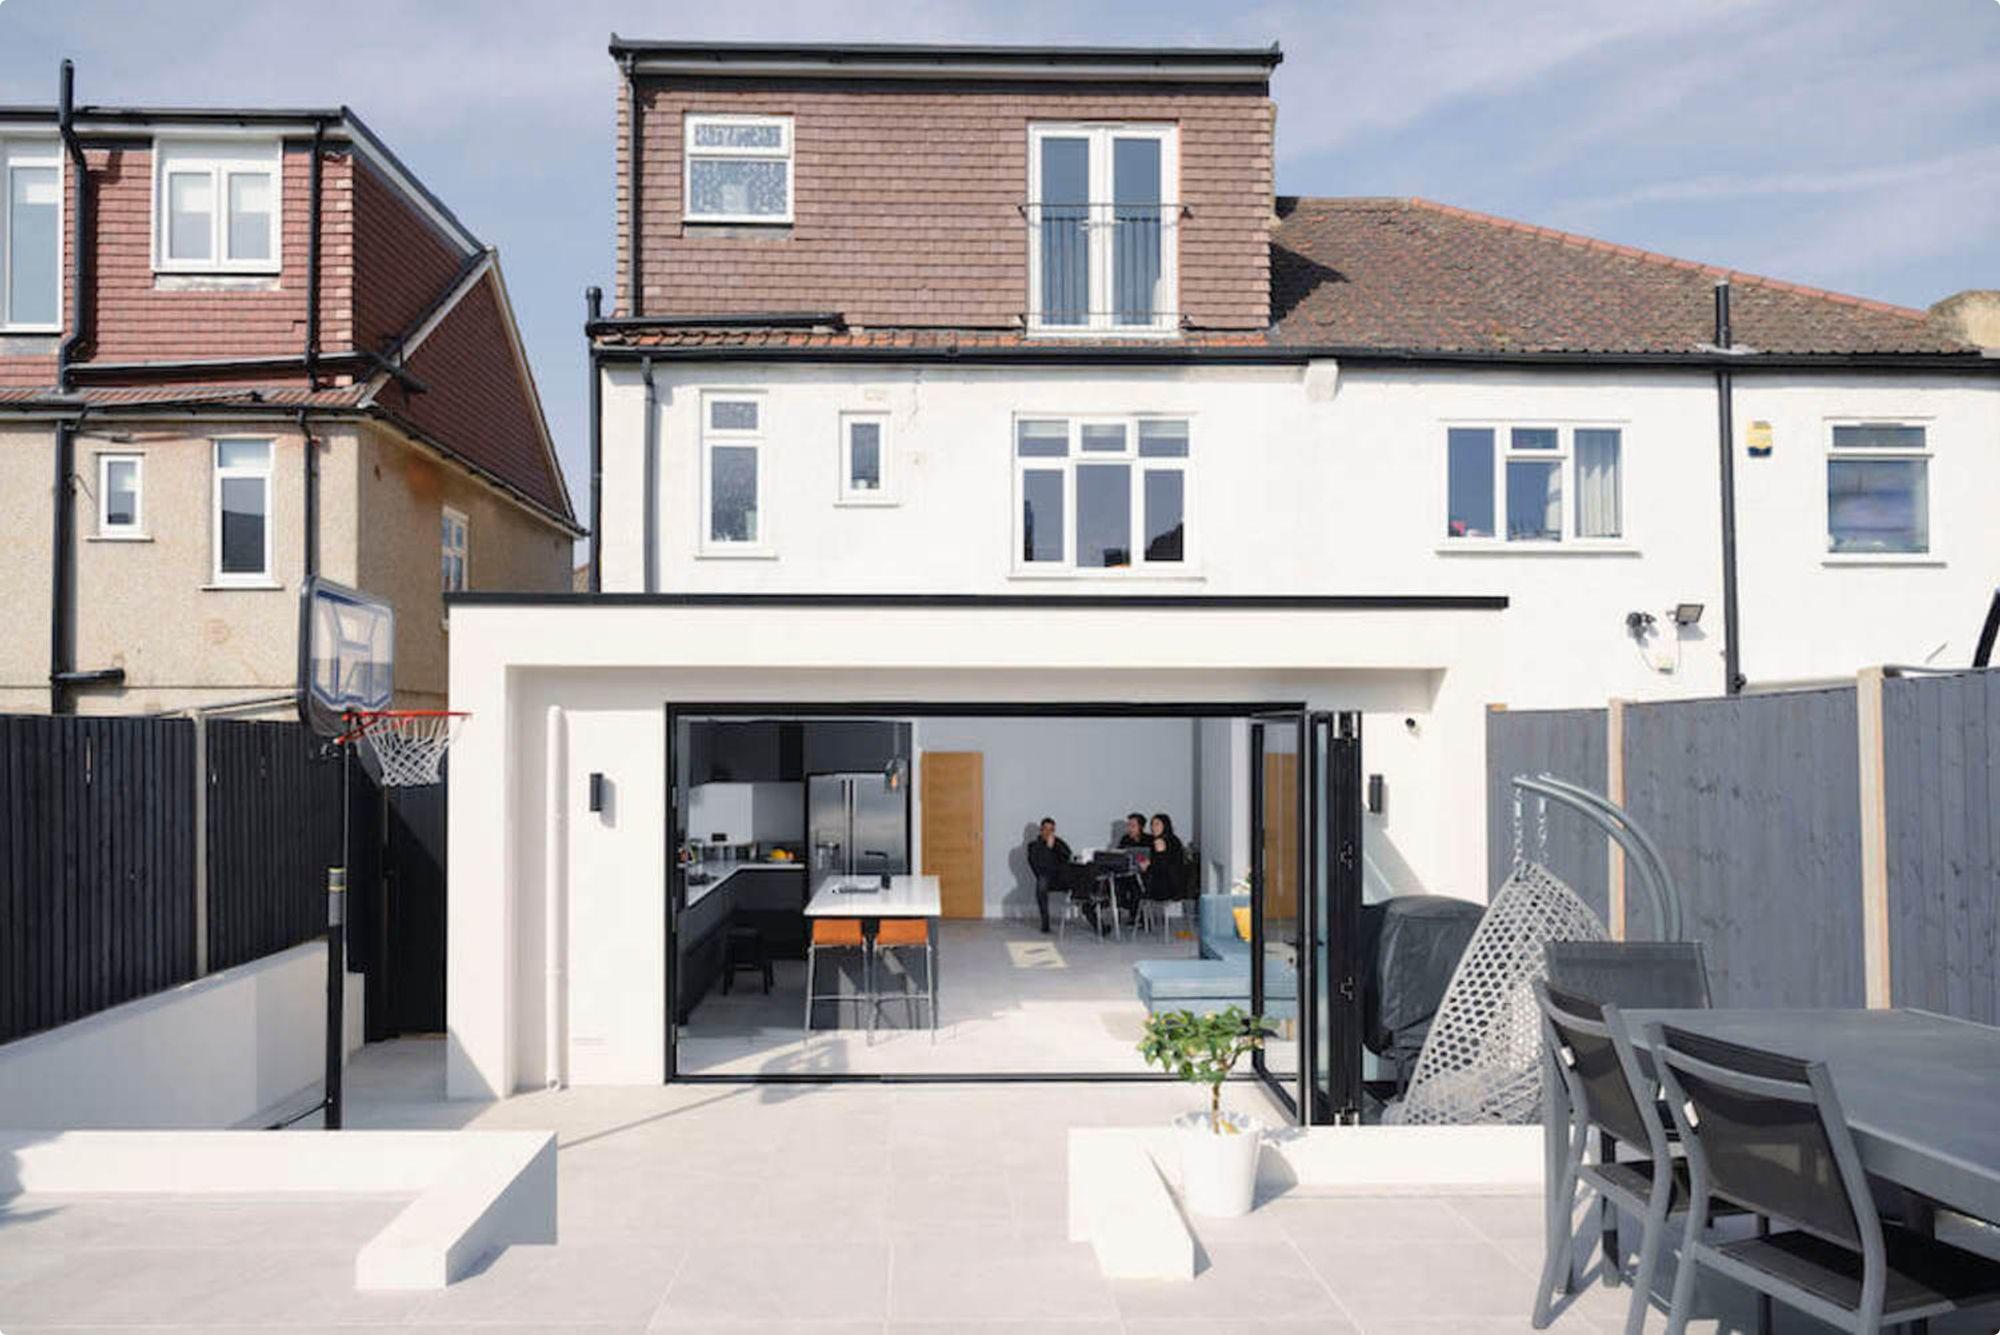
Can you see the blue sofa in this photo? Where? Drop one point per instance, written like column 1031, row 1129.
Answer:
column 1220, row 976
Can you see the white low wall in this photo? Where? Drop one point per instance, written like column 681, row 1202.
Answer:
column 215, row 1052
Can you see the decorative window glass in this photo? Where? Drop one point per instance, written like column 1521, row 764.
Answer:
column 1103, row 219
column 732, row 475
column 865, row 466
column 739, row 169
column 455, row 548
column 30, row 235
column 242, row 511
column 1878, row 489
column 216, row 205
column 1101, row 494
column 120, row 500
column 1546, row 483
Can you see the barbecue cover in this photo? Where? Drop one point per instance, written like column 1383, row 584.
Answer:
column 1409, row 946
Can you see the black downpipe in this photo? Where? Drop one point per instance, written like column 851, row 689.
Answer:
column 59, row 576
column 311, row 564
column 633, row 174
column 312, row 265
column 593, row 302
column 79, row 225
column 1725, row 406
column 650, row 502
column 62, row 513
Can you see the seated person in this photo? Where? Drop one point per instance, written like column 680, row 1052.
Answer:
column 1054, row 866
column 1166, row 869
column 1135, row 835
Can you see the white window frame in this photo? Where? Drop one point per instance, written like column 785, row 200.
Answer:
column 106, row 529
column 462, row 549
column 707, row 545
column 257, row 579
column 1139, row 568
column 221, row 159
column 1929, row 553
column 1565, row 455
column 37, row 152
column 1099, row 318
column 689, row 153
column 847, row 494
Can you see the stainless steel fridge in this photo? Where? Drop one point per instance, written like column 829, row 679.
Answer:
column 858, row 825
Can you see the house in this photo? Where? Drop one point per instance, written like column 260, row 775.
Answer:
column 242, row 347
column 993, row 398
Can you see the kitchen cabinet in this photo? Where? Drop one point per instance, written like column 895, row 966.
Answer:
column 771, row 899
column 841, row 746
column 763, row 751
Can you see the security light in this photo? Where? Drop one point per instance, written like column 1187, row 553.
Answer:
column 1687, row 614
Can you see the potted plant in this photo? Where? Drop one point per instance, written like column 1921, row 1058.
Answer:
column 1218, row 1149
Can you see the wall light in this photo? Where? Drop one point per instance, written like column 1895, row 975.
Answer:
column 1687, row 614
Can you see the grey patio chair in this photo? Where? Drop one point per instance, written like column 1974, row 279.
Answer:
column 1766, row 1131
column 1611, row 1093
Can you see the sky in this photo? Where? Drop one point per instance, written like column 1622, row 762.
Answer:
column 1849, row 144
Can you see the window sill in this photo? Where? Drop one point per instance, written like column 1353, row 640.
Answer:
column 118, row 537
column 30, row 330
column 1486, row 547
column 764, row 222
column 743, row 553
column 238, row 586
column 865, row 501
column 1118, row 576
column 1921, row 560
column 215, row 280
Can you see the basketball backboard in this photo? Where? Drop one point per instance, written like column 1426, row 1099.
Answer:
column 347, row 655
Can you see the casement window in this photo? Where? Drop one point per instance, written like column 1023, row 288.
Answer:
column 216, row 205
column 30, row 236
column 1103, row 220
column 732, row 475
column 242, row 517
column 1878, row 489
column 121, row 504
column 866, row 468
column 1101, row 494
column 1545, row 484
column 739, row 169
column 454, row 548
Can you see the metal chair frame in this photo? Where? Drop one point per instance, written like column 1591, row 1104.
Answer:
column 866, row 996
column 911, row 997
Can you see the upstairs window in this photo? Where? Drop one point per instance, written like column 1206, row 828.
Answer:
column 242, row 511
column 30, row 236
column 1878, row 489
column 1101, row 494
column 215, row 205
column 739, row 169
column 1545, row 483
column 732, row 476
column 1102, row 226
column 120, row 503
column 865, row 471
column 455, row 548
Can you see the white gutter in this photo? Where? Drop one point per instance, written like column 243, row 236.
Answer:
column 555, row 899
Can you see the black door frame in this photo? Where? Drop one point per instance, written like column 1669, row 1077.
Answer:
column 676, row 889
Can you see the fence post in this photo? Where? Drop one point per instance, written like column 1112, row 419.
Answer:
column 1874, row 837
column 1614, row 788
column 200, row 842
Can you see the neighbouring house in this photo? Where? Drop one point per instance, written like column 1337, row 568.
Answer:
column 238, row 348
column 992, row 399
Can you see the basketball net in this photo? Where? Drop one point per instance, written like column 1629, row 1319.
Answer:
column 404, row 748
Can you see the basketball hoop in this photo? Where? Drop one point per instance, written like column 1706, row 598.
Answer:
column 403, row 748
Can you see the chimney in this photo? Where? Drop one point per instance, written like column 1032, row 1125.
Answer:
column 1973, row 316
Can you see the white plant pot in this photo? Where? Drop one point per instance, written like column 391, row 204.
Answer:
column 1219, row 1172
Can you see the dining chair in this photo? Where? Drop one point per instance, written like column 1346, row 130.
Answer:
column 837, row 934
column 1610, row 1094
column 910, row 934
column 1766, row 1131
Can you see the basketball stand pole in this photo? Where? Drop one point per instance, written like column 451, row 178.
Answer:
column 336, row 954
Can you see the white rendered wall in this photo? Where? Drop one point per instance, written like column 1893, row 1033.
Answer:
column 1086, row 772
column 212, row 1053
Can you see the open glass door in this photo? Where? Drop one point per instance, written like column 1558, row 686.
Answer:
column 1277, row 864
column 1333, row 1029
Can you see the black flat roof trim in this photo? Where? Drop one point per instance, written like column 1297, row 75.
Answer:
column 1277, row 602
column 951, row 53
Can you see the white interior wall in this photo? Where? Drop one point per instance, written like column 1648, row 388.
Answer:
column 1222, row 779
column 746, row 812
column 1085, row 772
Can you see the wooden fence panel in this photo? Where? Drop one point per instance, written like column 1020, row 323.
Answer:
column 1570, row 744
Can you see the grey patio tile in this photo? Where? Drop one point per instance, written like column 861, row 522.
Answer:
column 306, row 1286
column 726, row 1281
column 1005, row 1328
column 1267, row 1279
column 992, row 1278
column 110, row 1285
column 253, row 1224
column 55, row 1221
column 1369, row 1219
column 1403, row 1281
column 583, row 1283
column 1245, row 1326
column 955, row 1200
column 1501, row 1217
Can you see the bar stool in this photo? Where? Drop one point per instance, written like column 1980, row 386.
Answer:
column 743, row 952
column 838, row 934
column 908, row 934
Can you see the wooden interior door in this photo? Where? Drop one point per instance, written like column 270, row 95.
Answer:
column 954, row 798
column 1281, row 842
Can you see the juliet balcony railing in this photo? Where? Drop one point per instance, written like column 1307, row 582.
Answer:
column 1104, row 267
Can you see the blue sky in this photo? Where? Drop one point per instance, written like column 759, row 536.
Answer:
column 1852, row 144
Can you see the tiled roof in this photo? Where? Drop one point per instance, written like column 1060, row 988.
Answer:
column 191, row 396
column 1410, row 274
column 722, row 335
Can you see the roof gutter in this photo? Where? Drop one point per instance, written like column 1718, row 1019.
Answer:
column 349, row 360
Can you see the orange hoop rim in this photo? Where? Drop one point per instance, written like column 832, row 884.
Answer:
column 364, row 721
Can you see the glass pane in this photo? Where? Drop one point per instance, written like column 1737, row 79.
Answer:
column 1166, row 497
column 1137, row 230
column 1469, row 507
column 190, row 215
column 1160, row 439
column 1065, row 231
column 121, row 493
column 733, row 415
column 242, row 526
column 32, row 222
column 1041, row 515
column 249, row 216
column 1878, row 436
column 738, row 187
column 725, row 134
column 1103, row 515
column 242, row 454
column 732, row 493
column 1103, row 437
column 1045, row 438
column 1878, row 505
column 864, row 456
column 1534, row 501
column 1279, row 850
column 1532, row 438
column 1597, row 487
